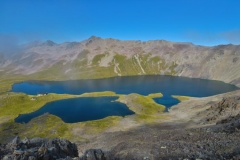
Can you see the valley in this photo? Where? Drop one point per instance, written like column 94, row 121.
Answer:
column 208, row 78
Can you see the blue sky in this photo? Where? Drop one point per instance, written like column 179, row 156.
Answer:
column 202, row 22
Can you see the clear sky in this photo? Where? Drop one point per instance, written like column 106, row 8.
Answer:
column 202, row 22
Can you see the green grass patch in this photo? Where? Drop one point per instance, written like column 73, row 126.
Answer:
column 7, row 81
column 149, row 118
column 13, row 104
column 83, row 54
column 155, row 95
column 99, row 94
column 96, row 126
column 145, row 108
column 181, row 98
column 141, row 105
column 96, row 60
column 45, row 126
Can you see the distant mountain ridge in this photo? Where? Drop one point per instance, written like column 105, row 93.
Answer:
column 101, row 58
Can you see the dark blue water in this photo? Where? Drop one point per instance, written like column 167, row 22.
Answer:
column 167, row 85
column 167, row 101
column 80, row 109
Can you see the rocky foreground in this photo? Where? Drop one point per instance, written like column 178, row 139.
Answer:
column 221, row 141
column 218, row 138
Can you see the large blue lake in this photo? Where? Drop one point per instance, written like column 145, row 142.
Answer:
column 167, row 85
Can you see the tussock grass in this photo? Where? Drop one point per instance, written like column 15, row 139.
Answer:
column 150, row 118
column 13, row 104
column 96, row 126
column 99, row 94
column 146, row 109
column 181, row 98
column 155, row 95
column 6, row 82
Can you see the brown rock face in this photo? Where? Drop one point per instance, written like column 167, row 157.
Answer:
column 222, row 111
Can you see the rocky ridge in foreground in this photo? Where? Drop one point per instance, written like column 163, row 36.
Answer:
column 217, row 142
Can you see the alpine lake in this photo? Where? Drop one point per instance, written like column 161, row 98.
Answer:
column 92, row 108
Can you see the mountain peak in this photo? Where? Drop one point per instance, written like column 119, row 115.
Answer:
column 48, row 43
column 92, row 38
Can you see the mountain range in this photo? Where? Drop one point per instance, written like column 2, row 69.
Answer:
column 102, row 58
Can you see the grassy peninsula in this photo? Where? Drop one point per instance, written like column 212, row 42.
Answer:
column 47, row 125
column 181, row 98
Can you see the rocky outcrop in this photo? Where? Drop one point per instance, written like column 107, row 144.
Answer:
column 94, row 154
column 38, row 148
column 46, row 149
column 224, row 111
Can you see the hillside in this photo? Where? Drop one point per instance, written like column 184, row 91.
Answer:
column 100, row 58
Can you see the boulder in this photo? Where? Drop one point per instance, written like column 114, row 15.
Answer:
column 38, row 148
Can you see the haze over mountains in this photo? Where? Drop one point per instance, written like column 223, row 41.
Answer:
column 101, row 58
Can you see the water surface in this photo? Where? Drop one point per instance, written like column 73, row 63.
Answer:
column 84, row 109
column 167, row 85
column 80, row 109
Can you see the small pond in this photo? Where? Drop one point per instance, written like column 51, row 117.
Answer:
column 80, row 109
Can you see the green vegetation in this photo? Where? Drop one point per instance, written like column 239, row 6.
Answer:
column 150, row 118
column 54, row 72
column 97, row 59
column 13, row 104
column 93, row 127
column 6, row 82
column 126, row 66
column 78, row 63
column 45, row 126
column 155, row 95
column 83, row 54
column 181, row 98
column 99, row 94
column 145, row 107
